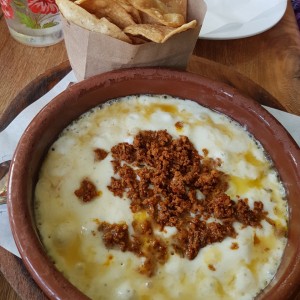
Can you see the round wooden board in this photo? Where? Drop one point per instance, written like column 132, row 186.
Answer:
column 11, row 266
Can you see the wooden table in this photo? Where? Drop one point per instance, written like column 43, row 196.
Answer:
column 266, row 66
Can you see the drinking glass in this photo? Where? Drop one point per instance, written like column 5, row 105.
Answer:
column 33, row 22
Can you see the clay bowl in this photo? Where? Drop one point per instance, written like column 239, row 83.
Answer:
column 81, row 97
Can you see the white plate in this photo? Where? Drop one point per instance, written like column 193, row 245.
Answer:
column 259, row 24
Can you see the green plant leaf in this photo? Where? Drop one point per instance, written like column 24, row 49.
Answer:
column 19, row 3
column 49, row 24
column 27, row 20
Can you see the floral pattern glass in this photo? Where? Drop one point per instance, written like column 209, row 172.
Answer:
column 34, row 22
column 31, row 13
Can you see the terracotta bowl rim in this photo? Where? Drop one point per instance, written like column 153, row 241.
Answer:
column 20, row 215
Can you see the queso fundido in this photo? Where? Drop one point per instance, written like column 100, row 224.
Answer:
column 153, row 197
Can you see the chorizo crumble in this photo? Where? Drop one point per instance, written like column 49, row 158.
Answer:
column 87, row 190
column 169, row 182
column 100, row 154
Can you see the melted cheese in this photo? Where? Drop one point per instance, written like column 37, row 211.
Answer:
column 68, row 227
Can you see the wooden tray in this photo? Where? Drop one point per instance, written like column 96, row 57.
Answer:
column 10, row 265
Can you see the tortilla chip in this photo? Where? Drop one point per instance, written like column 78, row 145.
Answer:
column 113, row 30
column 109, row 9
column 138, row 40
column 135, row 14
column 82, row 18
column 157, row 33
column 177, row 6
column 160, row 12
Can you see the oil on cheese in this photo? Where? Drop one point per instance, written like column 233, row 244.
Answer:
column 68, row 227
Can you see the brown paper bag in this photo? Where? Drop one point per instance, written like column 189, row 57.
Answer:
column 92, row 53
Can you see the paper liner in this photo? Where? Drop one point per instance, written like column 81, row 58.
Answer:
column 92, row 53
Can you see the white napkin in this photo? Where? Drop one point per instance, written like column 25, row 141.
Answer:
column 8, row 142
column 10, row 136
column 222, row 15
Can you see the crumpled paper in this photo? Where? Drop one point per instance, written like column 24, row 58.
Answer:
column 11, row 135
column 232, row 14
